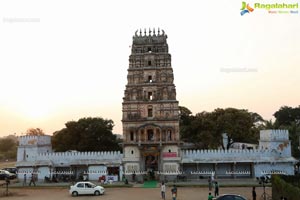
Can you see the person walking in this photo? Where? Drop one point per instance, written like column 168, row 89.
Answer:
column 24, row 180
column 253, row 193
column 209, row 183
column 210, row 196
column 32, row 179
column 133, row 176
column 174, row 192
column 163, row 191
column 216, row 189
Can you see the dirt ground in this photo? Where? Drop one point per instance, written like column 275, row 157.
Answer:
column 190, row 193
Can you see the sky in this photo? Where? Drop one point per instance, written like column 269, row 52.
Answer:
column 63, row 60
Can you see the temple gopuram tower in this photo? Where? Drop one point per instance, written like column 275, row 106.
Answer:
column 150, row 109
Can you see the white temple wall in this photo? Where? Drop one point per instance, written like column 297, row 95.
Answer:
column 273, row 168
column 131, row 153
column 94, row 172
column 42, row 172
column 24, row 170
column 132, row 168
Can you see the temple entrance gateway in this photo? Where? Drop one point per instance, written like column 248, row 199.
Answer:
column 150, row 110
column 151, row 165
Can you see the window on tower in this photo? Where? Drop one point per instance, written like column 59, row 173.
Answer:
column 131, row 136
column 150, row 111
column 169, row 135
column 150, row 96
column 149, row 49
column 150, row 134
column 149, row 62
column 150, row 79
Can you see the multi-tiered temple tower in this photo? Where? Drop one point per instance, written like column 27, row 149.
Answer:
column 150, row 109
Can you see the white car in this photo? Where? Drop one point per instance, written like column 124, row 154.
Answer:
column 86, row 188
column 230, row 197
column 6, row 174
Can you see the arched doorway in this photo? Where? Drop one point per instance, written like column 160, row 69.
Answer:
column 151, row 165
column 151, row 162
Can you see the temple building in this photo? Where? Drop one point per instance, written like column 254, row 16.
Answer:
column 150, row 108
column 151, row 138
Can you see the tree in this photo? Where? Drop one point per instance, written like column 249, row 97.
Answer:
column 8, row 148
column 289, row 118
column 185, row 121
column 205, row 129
column 202, row 131
column 6, row 144
column 34, row 132
column 269, row 124
column 87, row 134
column 286, row 115
column 239, row 124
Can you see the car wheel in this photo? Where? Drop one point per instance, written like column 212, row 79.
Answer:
column 74, row 194
column 97, row 193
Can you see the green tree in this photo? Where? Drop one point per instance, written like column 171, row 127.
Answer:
column 269, row 124
column 289, row 118
column 286, row 115
column 239, row 124
column 205, row 129
column 185, row 121
column 202, row 131
column 86, row 134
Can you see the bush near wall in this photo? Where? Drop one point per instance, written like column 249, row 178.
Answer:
column 294, row 180
column 281, row 188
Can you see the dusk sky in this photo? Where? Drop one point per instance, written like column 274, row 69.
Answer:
column 65, row 60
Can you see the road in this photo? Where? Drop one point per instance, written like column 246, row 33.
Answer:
column 190, row 193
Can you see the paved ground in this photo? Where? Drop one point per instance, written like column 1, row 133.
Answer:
column 135, row 193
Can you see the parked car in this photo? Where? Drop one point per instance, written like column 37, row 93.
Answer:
column 6, row 174
column 11, row 170
column 84, row 187
column 230, row 197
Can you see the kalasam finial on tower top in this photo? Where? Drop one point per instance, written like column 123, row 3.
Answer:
column 149, row 33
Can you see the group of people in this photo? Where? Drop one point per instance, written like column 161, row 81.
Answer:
column 174, row 190
column 211, row 183
column 32, row 179
column 163, row 191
